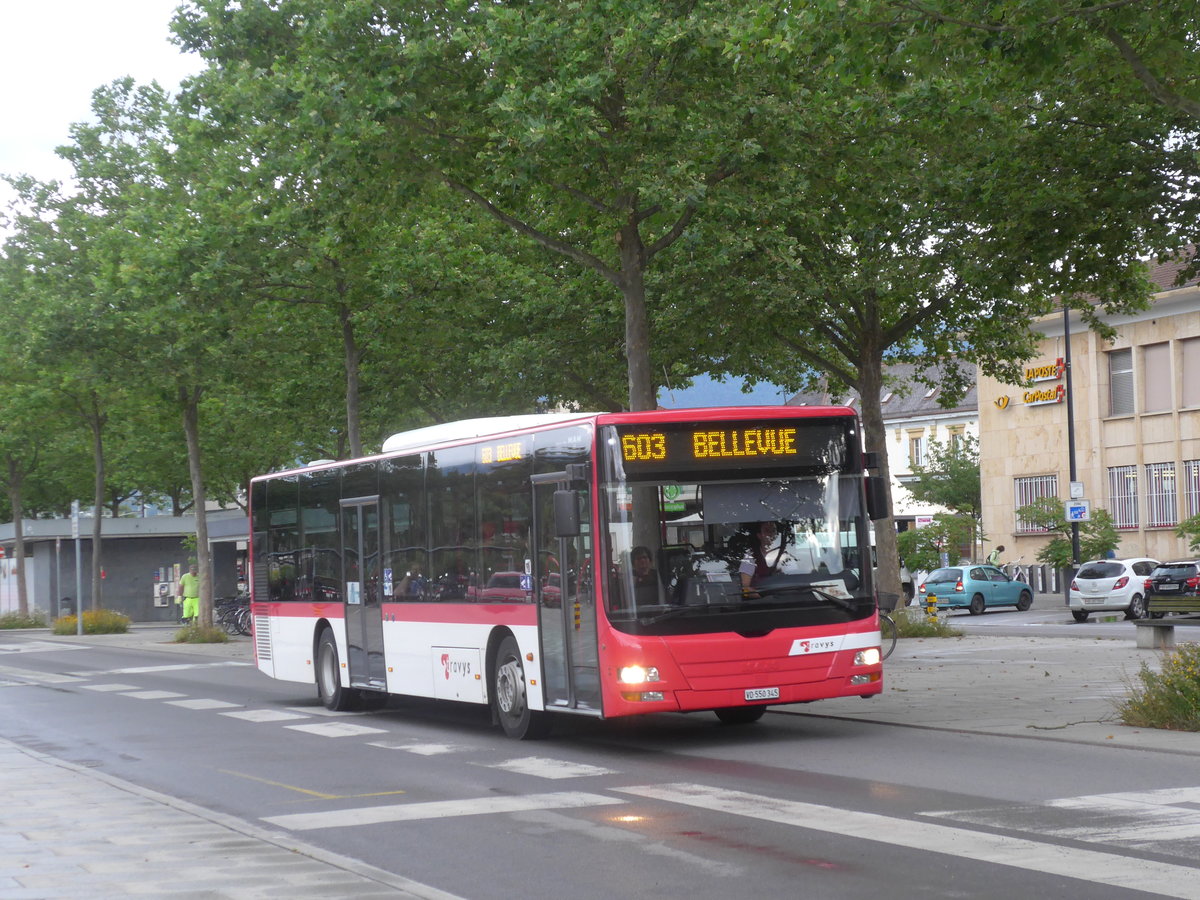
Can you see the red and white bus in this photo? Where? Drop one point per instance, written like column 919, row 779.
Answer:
column 491, row 561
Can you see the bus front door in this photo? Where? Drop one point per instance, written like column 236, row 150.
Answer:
column 363, row 592
column 566, row 607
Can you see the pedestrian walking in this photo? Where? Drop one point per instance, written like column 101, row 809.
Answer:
column 994, row 556
column 189, row 594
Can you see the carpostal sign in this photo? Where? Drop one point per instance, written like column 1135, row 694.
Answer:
column 1040, row 396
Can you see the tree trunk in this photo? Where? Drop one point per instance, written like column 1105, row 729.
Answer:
column 189, row 401
column 643, row 390
column 887, row 552
column 97, row 420
column 15, row 479
column 353, row 357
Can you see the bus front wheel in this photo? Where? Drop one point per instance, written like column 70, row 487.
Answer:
column 510, row 698
column 739, row 715
column 329, row 676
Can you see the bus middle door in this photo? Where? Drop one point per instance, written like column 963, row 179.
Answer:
column 566, row 602
column 363, row 590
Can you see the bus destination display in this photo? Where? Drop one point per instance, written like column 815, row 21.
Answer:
column 769, row 444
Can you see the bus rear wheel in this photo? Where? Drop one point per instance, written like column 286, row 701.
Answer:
column 329, row 677
column 509, row 697
column 740, row 715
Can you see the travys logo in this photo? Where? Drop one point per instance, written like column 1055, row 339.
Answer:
column 813, row 645
column 457, row 667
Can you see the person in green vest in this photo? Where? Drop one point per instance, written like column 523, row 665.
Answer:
column 189, row 594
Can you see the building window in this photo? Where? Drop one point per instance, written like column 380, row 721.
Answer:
column 1191, row 487
column 1122, row 496
column 1028, row 490
column 1120, row 383
column 957, row 437
column 1162, row 505
column 1189, row 357
column 1156, row 378
column 916, row 450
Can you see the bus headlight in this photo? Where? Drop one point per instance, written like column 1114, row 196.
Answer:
column 637, row 674
column 868, row 657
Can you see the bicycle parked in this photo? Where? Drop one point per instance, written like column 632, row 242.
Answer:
column 233, row 614
column 887, row 635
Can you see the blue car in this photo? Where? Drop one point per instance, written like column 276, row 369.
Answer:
column 975, row 588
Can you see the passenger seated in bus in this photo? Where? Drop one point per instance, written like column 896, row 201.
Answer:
column 645, row 578
column 411, row 584
column 754, row 565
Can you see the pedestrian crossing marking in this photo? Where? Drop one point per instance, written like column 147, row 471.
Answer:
column 1166, row 820
column 38, row 647
column 110, row 687
column 28, row 676
column 203, row 704
column 336, row 729
column 1021, row 853
column 422, row 749
column 439, row 809
column 264, row 715
column 548, row 768
column 153, row 695
column 322, row 711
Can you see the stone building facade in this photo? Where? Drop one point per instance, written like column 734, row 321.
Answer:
column 1136, row 409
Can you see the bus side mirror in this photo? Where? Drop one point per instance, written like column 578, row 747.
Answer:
column 566, row 514
column 877, row 498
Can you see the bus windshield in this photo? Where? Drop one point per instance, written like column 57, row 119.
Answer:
column 711, row 552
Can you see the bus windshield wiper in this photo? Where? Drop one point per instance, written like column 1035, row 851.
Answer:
column 840, row 602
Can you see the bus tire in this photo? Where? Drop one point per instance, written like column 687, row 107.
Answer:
column 509, row 697
column 329, row 677
column 739, row 715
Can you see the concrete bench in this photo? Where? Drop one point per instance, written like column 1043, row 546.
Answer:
column 1159, row 634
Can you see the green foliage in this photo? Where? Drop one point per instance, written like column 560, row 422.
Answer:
column 1170, row 698
column 17, row 620
column 921, row 548
column 913, row 622
column 950, row 477
column 1189, row 530
column 95, row 621
column 1097, row 537
column 200, row 634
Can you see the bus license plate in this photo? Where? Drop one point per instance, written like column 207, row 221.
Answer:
column 762, row 694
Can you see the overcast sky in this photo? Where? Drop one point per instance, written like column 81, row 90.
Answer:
column 54, row 53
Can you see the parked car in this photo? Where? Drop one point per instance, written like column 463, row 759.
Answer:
column 976, row 588
column 1111, row 584
column 1174, row 587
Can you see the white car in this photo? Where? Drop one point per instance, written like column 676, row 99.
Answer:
column 1104, row 585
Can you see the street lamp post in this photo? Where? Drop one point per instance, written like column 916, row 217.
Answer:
column 1070, row 450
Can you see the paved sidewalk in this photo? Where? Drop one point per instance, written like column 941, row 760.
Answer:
column 58, row 837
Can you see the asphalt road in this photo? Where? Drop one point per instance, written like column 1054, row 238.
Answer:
column 798, row 805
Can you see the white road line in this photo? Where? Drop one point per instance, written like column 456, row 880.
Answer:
column 263, row 715
column 203, row 704
column 37, row 647
column 110, row 687
column 153, row 695
column 336, row 729
column 176, row 667
column 1167, row 819
column 547, row 768
column 1034, row 856
column 420, row 749
column 27, row 676
column 322, row 711
column 441, row 809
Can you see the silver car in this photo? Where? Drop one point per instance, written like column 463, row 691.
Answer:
column 1104, row 585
